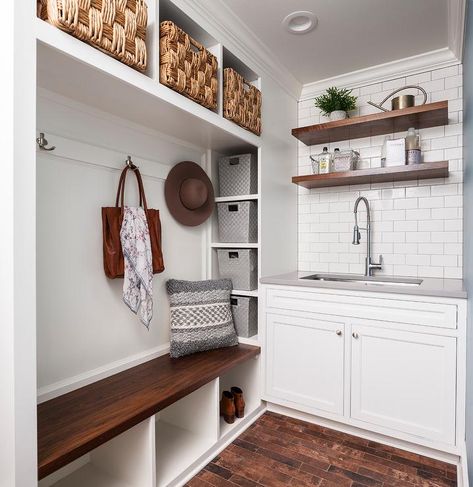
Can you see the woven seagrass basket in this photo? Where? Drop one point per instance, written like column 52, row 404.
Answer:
column 117, row 27
column 241, row 101
column 186, row 66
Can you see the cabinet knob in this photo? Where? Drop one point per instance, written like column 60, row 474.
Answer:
column 339, row 332
column 355, row 335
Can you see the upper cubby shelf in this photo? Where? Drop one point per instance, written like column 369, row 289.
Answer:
column 420, row 117
column 73, row 69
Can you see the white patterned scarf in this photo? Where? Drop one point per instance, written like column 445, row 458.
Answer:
column 136, row 246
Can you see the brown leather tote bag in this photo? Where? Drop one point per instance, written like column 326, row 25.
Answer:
column 112, row 218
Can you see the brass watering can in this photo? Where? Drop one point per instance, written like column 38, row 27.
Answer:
column 403, row 101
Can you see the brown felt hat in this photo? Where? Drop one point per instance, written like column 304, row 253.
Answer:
column 189, row 194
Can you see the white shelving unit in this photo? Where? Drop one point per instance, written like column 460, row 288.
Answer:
column 213, row 234
column 166, row 449
column 64, row 62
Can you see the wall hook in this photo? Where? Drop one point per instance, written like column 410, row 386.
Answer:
column 130, row 164
column 42, row 143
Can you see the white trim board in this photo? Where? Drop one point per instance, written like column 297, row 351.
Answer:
column 366, row 434
column 440, row 58
column 72, row 383
column 456, row 27
column 81, row 152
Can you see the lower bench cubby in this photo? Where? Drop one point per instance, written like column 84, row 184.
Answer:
column 246, row 376
column 185, row 431
column 125, row 461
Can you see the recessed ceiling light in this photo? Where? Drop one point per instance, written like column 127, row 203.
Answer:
column 300, row 22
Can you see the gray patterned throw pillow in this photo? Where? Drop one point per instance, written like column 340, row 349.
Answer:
column 201, row 316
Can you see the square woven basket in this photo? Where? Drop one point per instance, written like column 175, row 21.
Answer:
column 116, row 27
column 186, row 66
column 241, row 101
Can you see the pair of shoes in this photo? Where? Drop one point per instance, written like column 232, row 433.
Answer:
column 232, row 404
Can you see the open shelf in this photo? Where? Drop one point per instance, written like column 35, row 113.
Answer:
column 232, row 245
column 420, row 117
column 64, row 62
column 124, row 461
column 229, row 199
column 427, row 170
column 247, row 377
column 240, row 292
column 185, row 431
column 176, row 449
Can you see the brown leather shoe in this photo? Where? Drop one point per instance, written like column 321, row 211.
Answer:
column 227, row 407
column 239, row 402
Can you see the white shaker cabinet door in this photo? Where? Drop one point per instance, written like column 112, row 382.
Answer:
column 404, row 381
column 305, row 361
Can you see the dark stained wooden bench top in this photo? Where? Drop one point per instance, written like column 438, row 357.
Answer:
column 73, row 424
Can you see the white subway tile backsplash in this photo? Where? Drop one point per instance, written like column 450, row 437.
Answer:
column 404, row 204
column 433, row 202
column 422, row 214
column 444, row 142
column 431, row 248
column 419, row 191
column 445, row 72
column 417, row 225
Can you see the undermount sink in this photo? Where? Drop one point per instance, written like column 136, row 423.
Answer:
column 369, row 281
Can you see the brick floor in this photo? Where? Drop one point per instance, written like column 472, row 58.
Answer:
column 280, row 451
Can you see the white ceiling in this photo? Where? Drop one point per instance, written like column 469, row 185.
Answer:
column 351, row 34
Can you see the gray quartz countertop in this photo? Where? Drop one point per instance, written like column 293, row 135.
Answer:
column 444, row 288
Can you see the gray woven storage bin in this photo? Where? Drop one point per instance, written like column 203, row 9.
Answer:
column 238, row 222
column 238, row 175
column 245, row 315
column 239, row 265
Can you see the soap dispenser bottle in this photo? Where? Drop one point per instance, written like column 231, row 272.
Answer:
column 413, row 152
column 325, row 160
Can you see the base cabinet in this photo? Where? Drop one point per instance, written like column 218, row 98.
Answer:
column 306, row 361
column 404, row 381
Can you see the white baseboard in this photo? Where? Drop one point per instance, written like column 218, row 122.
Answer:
column 72, row 383
column 361, row 433
column 462, row 478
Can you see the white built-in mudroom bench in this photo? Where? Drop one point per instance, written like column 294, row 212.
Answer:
column 152, row 425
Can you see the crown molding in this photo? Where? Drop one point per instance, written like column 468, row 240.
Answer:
column 456, row 26
column 382, row 72
column 223, row 24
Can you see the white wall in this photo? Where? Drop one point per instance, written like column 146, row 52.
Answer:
column 468, row 249
column 417, row 226
column 82, row 322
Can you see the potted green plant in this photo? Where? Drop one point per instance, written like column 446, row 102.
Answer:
column 335, row 103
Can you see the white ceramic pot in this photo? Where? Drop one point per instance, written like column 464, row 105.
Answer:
column 338, row 115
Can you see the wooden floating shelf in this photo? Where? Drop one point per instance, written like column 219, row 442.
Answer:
column 427, row 170
column 420, row 117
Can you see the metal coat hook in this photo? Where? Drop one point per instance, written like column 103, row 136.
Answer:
column 42, row 143
column 130, row 164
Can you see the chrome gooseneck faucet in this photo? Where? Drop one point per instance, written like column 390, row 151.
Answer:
column 369, row 265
